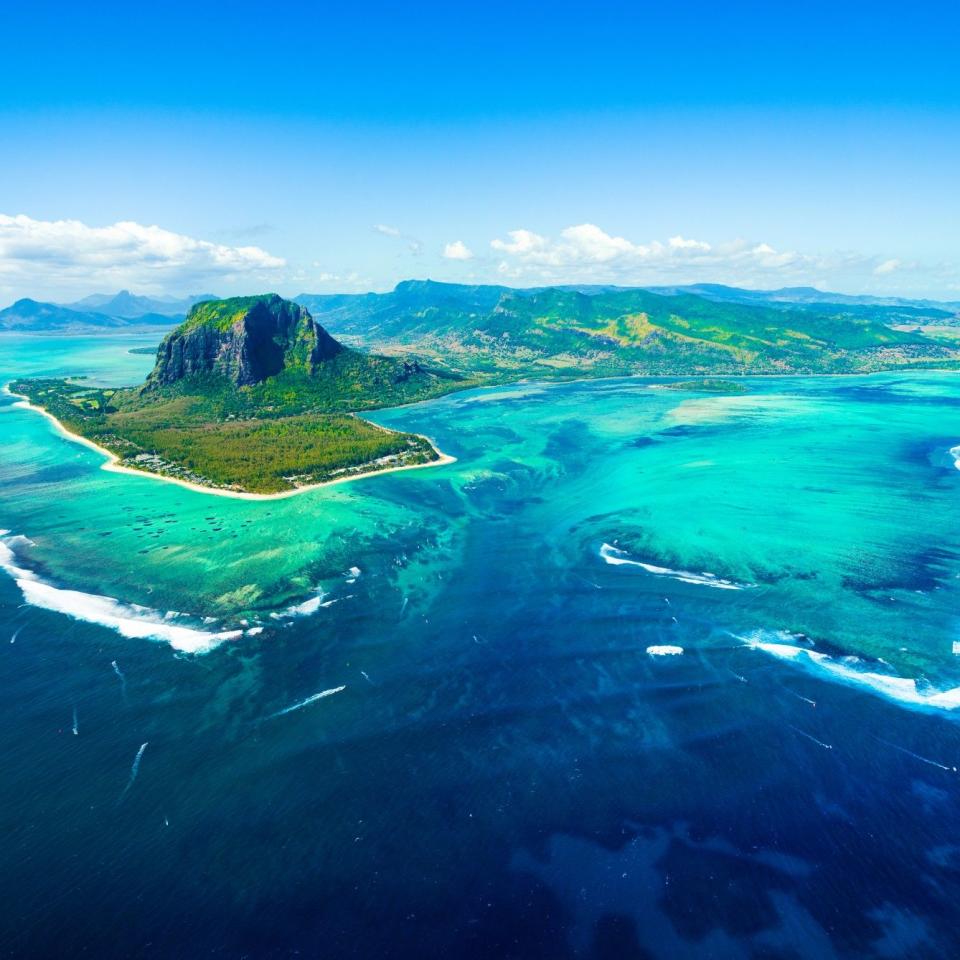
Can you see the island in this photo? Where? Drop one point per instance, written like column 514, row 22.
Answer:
column 250, row 396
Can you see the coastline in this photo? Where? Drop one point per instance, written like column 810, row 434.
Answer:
column 112, row 464
column 112, row 460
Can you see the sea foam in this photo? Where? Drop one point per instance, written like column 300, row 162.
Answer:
column 664, row 650
column 128, row 619
column 305, row 609
column 617, row 557
column 852, row 671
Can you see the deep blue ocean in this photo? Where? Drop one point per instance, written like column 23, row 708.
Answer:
column 644, row 674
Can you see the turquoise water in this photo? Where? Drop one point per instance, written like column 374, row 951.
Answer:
column 644, row 673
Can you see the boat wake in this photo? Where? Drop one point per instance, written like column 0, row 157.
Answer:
column 303, row 703
column 916, row 756
column 121, row 678
column 852, row 671
column 617, row 557
column 128, row 619
column 134, row 770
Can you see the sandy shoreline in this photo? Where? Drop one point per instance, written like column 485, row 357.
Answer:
column 113, row 466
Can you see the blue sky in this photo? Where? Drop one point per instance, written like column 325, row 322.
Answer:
column 311, row 147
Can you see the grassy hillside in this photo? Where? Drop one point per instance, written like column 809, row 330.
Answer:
column 497, row 332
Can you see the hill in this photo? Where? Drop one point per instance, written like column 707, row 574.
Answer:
column 130, row 306
column 890, row 310
column 251, row 395
column 97, row 313
column 412, row 307
column 500, row 332
column 33, row 316
column 29, row 316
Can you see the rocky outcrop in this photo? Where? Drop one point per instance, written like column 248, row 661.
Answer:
column 246, row 340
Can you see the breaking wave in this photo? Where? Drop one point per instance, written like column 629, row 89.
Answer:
column 128, row 619
column 852, row 671
column 305, row 609
column 617, row 557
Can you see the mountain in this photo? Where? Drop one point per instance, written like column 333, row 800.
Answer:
column 251, row 394
column 32, row 316
column 130, row 306
column 562, row 331
column 411, row 305
column 245, row 340
column 29, row 316
column 893, row 310
column 96, row 313
column 265, row 354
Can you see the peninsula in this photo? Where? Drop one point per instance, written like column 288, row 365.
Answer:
column 250, row 396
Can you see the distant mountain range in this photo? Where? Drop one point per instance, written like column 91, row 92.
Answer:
column 795, row 295
column 98, row 312
column 131, row 306
column 426, row 307
column 492, row 331
column 382, row 312
column 883, row 309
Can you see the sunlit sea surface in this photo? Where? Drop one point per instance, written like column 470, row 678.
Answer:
column 645, row 673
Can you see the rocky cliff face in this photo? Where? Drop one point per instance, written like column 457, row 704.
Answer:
column 245, row 339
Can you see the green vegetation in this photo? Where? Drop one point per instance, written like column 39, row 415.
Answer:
column 706, row 385
column 349, row 382
column 199, row 418
column 184, row 438
column 220, row 314
column 498, row 333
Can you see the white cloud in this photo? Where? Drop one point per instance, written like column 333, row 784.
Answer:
column 50, row 254
column 681, row 243
column 521, row 243
column 585, row 253
column 457, row 250
column 412, row 243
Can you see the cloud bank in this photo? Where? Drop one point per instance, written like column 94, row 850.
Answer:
column 60, row 259
column 585, row 253
column 50, row 254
